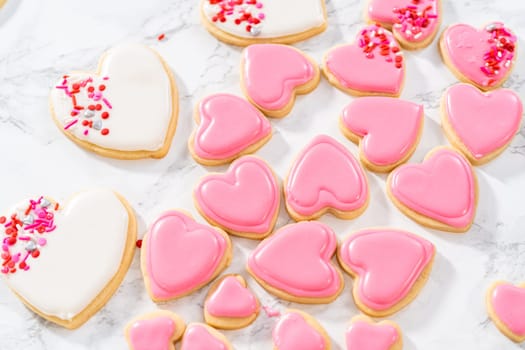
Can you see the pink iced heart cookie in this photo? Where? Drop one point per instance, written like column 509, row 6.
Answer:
column 325, row 177
column 201, row 337
column 440, row 193
column 414, row 23
column 271, row 76
column 294, row 263
column 173, row 240
column 298, row 330
column 373, row 65
column 230, row 304
column 364, row 333
column 506, row 307
column 229, row 127
column 483, row 57
column 480, row 125
column 387, row 130
column 390, row 267
column 228, row 200
column 158, row 330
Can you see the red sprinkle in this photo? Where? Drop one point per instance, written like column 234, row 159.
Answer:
column 35, row 253
column 104, row 131
column 104, row 115
column 139, row 243
column 2, row 219
column 102, row 87
column 161, row 36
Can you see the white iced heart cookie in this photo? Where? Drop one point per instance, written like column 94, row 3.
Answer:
column 245, row 22
column 65, row 262
column 127, row 109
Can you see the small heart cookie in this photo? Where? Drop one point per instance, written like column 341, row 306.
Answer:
column 246, row 22
column 387, row 130
column 390, row 267
column 373, row 65
column 483, row 57
column 325, row 177
column 230, row 304
column 173, row 240
column 201, row 337
column 272, row 75
column 229, row 127
column 48, row 253
column 480, row 125
column 506, row 307
column 440, row 193
column 364, row 333
column 127, row 109
column 298, row 330
column 157, row 330
column 295, row 264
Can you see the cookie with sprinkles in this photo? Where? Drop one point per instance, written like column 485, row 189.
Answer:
column 246, row 22
column 127, row 109
column 65, row 261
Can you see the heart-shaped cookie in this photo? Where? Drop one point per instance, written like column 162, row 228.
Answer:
column 295, row 263
column 364, row 333
column 506, row 307
column 246, row 22
column 229, row 127
column 298, row 330
column 325, row 177
column 480, row 125
column 201, row 337
column 483, row 57
column 127, row 109
column 173, row 240
column 48, row 253
column 387, row 130
column 230, row 304
column 390, row 267
column 272, row 75
column 414, row 23
column 228, row 200
column 157, row 330
column 373, row 65
column 440, row 193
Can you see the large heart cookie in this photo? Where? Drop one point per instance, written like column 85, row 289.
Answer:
column 298, row 330
column 480, row 125
column 65, row 262
column 325, row 177
column 387, row 130
column 483, row 57
column 441, row 193
column 157, row 330
column 506, row 307
column 271, row 76
column 295, row 263
column 173, row 240
column 390, row 267
column 414, row 23
column 127, row 109
column 228, row 128
column 373, row 65
column 201, row 337
column 246, row 22
column 244, row 201
column 364, row 333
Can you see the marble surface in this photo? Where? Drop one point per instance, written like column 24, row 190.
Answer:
column 41, row 40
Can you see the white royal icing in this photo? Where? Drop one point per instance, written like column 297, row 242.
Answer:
column 281, row 18
column 81, row 256
column 139, row 91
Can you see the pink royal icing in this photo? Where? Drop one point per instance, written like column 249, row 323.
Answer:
column 272, row 72
column 388, row 263
column 197, row 337
column 172, row 241
column 373, row 64
column 442, row 188
column 389, row 127
column 508, row 302
column 245, row 199
column 483, row 56
column 325, row 175
column 228, row 125
column 231, row 299
column 152, row 334
column 292, row 332
column 364, row 335
column 296, row 260
column 484, row 122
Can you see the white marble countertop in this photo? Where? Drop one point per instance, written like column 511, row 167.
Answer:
column 41, row 40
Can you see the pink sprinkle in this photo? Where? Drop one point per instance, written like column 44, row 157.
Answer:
column 107, row 102
column 25, row 257
column 61, row 87
column 90, row 95
column 70, row 124
column 5, row 270
column 5, row 247
column 16, row 258
column 86, row 132
column 105, row 78
column 259, row 5
column 262, row 16
column 42, row 241
column 25, row 238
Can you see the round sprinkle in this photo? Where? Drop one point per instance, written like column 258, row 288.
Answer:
column 104, row 131
column 104, row 115
column 102, row 87
column 139, row 243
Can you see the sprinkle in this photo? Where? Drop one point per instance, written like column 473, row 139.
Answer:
column 86, row 132
column 107, row 103
column 161, row 36
column 70, row 124
column 139, row 243
column 104, row 131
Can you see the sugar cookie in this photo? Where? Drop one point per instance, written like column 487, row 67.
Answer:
column 298, row 330
column 158, row 330
column 364, row 333
column 506, row 307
